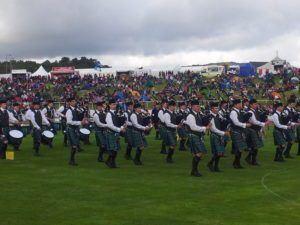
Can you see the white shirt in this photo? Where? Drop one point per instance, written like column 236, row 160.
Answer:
column 44, row 111
column 12, row 119
column 234, row 118
column 110, row 123
column 127, row 118
column 276, row 122
column 191, row 122
column 60, row 110
column 286, row 113
column 135, row 123
column 213, row 127
column 69, row 117
column 161, row 115
column 254, row 121
column 97, row 120
column 31, row 117
column 167, row 119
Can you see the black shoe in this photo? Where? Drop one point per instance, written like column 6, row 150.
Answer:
column 109, row 164
column 128, row 157
column 216, row 169
column 255, row 164
column 100, row 159
column 37, row 154
column 210, row 167
column 73, row 163
column 288, row 156
column 163, row 152
column 196, row 174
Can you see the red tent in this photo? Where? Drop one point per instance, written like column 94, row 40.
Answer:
column 62, row 71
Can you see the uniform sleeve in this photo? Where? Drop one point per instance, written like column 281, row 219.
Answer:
column 32, row 120
column 98, row 122
column 234, row 118
column 191, row 122
column 110, row 123
column 60, row 110
column 12, row 118
column 69, row 117
column 277, row 123
column 161, row 116
column 45, row 120
column 168, row 123
column 214, row 129
column 135, row 123
column 254, row 121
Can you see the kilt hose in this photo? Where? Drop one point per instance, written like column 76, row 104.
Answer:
column 254, row 139
column 112, row 141
column 100, row 137
column 196, row 143
column 138, row 139
column 170, row 137
column 37, row 138
column 279, row 137
column 217, row 143
column 238, row 140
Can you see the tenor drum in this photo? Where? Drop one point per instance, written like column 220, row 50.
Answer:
column 47, row 137
column 15, row 137
column 84, row 134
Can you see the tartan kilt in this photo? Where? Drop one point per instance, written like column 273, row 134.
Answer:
column 100, row 135
column 182, row 133
column 217, row 143
column 138, row 139
column 279, row 137
column 196, row 143
column 112, row 141
column 298, row 134
column 170, row 137
column 255, row 139
column 73, row 136
column 128, row 135
column 290, row 135
column 238, row 140
column 162, row 131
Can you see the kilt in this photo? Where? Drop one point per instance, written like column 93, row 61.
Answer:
column 162, row 131
column 138, row 139
column 37, row 136
column 100, row 137
column 290, row 135
column 5, row 131
column 298, row 134
column 247, row 134
column 238, row 140
column 112, row 141
column 73, row 136
column 254, row 139
column 196, row 143
column 182, row 133
column 279, row 137
column 128, row 135
column 170, row 137
column 217, row 143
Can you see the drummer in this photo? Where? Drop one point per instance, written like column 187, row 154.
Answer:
column 5, row 119
column 37, row 118
column 15, row 122
column 50, row 113
column 62, row 113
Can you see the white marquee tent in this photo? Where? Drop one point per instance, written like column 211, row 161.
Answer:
column 40, row 72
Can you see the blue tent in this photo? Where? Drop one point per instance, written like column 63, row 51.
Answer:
column 247, row 70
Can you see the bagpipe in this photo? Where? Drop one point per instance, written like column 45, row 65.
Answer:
column 146, row 121
column 180, row 117
column 224, row 120
column 262, row 115
column 206, row 117
column 246, row 115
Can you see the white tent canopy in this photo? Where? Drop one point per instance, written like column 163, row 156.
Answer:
column 40, row 72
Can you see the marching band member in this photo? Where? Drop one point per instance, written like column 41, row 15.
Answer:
column 254, row 132
column 217, row 136
column 279, row 132
column 138, row 137
column 62, row 113
column 37, row 118
column 162, row 125
column 195, row 134
column 287, row 119
column 113, row 132
column 99, row 119
column 170, row 132
column 128, row 133
column 238, row 132
column 73, row 124
column 155, row 119
column 297, row 119
column 182, row 114
column 50, row 113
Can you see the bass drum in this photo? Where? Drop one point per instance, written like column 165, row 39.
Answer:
column 47, row 137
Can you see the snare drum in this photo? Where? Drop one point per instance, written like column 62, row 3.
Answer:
column 47, row 137
column 15, row 137
column 84, row 134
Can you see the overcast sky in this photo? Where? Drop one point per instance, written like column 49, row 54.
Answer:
column 151, row 32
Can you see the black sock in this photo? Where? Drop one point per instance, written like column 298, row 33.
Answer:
column 138, row 154
column 128, row 150
column 163, row 146
column 73, row 152
column 288, row 149
column 170, row 153
column 157, row 135
column 181, row 147
column 254, row 155
column 217, row 160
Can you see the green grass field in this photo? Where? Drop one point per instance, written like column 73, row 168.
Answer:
column 46, row 190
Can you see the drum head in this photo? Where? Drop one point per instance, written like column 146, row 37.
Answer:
column 85, row 131
column 16, row 134
column 48, row 134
